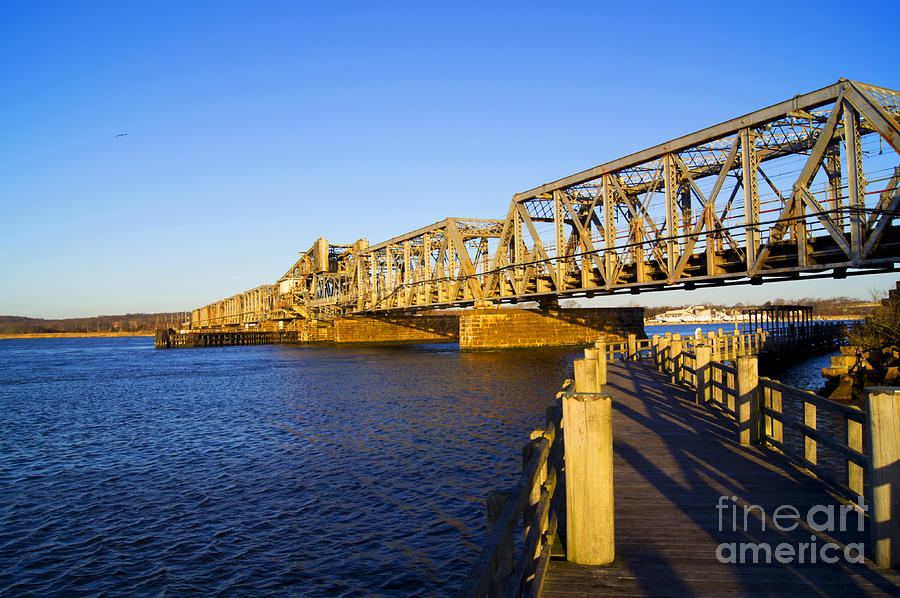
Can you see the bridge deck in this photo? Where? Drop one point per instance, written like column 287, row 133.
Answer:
column 673, row 460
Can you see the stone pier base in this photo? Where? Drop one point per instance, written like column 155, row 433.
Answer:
column 521, row 328
column 397, row 329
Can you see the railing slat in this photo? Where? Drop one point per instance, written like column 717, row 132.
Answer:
column 847, row 411
column 817, row 435
column 821, row 474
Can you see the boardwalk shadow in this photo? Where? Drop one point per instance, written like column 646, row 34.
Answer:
column 686, row 491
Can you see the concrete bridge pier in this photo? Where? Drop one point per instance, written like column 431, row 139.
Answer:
column 484, row 329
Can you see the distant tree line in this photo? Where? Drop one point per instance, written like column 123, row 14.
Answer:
column 126, row 323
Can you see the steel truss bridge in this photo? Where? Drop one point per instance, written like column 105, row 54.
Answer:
column 806, row 188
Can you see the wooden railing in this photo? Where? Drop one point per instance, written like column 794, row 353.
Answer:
column 722, row 371
column 804, row 411
column 722, row 391
column 499, row 569
column 862, row 448
column 717, row 384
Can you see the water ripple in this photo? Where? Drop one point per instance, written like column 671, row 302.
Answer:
column 255, row 471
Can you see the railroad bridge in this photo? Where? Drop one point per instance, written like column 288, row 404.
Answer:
column 805, row 188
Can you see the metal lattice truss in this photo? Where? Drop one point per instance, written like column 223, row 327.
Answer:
column 804, row 186
column 441, row 264
column 807, row 187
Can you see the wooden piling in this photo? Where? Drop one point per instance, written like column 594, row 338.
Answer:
column 748, row 411
column 631, row 344
column 587, row 421
column 664, row 353
column 598, row 356
column 883, row 420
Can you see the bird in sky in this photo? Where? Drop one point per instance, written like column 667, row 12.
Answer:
column 121, row 134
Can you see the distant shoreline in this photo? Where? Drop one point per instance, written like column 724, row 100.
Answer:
column 73, row 335
column 652, row 322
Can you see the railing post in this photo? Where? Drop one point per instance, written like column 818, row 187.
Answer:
column 810, row 449
column 854, row 471
column 598, row 358
column 703, row 353
column 631, row 341
column 654, row 350
column 587, row 421
column 883, row 421
column 502, row 567
column 774, row 428
column 600, row 346
column 586, row 379
column 664, row 353
column 748, row 411
column 675, row 350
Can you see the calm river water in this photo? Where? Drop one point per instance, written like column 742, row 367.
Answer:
column 252, row 471
column 255, row 471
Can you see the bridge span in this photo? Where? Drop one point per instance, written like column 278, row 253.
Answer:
column 808, row 187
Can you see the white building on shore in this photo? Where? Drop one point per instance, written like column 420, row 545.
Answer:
column 697, row 314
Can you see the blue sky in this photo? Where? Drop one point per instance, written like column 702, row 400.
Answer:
column 254, row 128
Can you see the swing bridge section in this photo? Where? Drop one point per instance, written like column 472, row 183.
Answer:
column 809, row 187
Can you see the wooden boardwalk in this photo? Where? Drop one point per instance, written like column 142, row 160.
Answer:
column 673, row 462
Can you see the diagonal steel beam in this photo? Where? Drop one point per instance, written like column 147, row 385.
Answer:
column 538, row 245
column 806, row 174
column 583, row 234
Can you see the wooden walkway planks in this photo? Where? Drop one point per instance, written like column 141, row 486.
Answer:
column 673, row 462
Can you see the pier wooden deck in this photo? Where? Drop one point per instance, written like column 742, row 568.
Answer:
column 673, row 460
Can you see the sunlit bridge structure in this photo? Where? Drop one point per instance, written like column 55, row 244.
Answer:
column 805, row 188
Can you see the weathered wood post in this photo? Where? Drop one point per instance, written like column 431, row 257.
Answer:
column 714, row 343
column 883, row 421
column 748, row 410
column 675, row 350
column 810, row 447
column 598, row 359
column 631, row 344
column 854, row 471
column 600, row 346
column 587, row 421
column 654, row 350
column 664, row 353
column 703, row 353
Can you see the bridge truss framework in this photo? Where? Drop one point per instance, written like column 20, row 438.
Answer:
column 807, row 187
